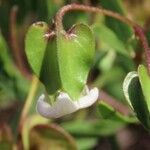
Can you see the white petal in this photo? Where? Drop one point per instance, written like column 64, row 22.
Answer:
column 44, row 108
column 89, row 99
column 64, row 105
column 61, row 107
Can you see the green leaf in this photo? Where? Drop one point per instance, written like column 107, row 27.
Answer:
column 75, row 57
column 52, row 136
column 93, row 128
column 125, row 62
column 109, row 39
column 86, row 143
column 76, row 128
column 42, row 56
column 35, row 45
column 122, row 30
column 29, row 123
column 64, row 61
column 52, row 7
column 112, row 82
column 37, row 132
column 12, row 84
column 134, row 95
column 5, row 57
column 75, row 17
column 145, row 83
column 50, row 70
column 109, row 127
column 108, row 112
column 107, row 62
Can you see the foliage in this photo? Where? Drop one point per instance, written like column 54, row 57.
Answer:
column 97, row 50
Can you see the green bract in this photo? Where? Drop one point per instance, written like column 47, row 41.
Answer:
column 63, row 61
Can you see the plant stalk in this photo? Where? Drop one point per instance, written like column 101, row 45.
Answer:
column 137, row 29
column 29, row 100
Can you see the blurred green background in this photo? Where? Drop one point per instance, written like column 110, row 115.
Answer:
column 107, row 125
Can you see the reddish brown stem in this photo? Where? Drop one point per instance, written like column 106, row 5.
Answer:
column 114, row 103
column 140, row 33
column 74, row 7
column 138, row 30
column 14, row 43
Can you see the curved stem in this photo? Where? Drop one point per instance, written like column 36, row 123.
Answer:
column 29, row 100
column 138, row 30
column 140, row 33
column 123, row 109
column 74, row 7
column 16, row 50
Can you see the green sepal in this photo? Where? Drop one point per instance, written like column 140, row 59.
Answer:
column 35, row 45
column 63, row 61
column 42, row 56
column 75, row 57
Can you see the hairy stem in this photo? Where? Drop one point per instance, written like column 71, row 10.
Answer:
column 74, row 7
column 138, row 30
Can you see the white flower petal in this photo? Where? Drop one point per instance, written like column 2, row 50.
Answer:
column 44, row 108
column 64, row 105
column 89, row 99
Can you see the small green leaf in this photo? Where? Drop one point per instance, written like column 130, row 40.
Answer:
column 77, row 128
column 122, row 30
column 50, row 70
column 86, row 143
column 109, row 39
column 29, row 123
column 38, row 132
column 107, row 61
column 63, row 61
column 109, row 127
column 108, row 112
column 5, row 58
column 12, row 84
column 42, row 56
column 52, row 7
column 145, row 83
column 75, row 57
column 93, row 128
column 51, row 136
column 35, row 45
column 134, row 95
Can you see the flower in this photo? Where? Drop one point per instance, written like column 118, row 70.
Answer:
column 64, row 105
